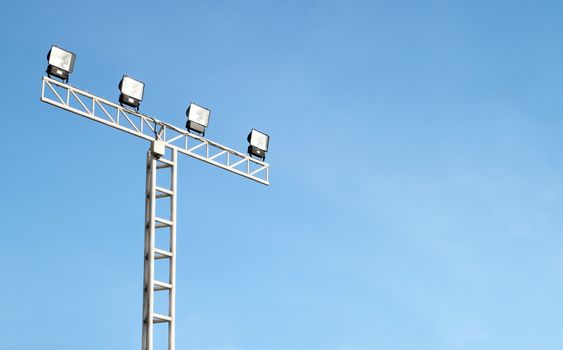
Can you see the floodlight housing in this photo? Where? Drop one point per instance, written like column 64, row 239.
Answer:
column 132, row 91
column 258, row 144
column 61, row 63
column 198, row 118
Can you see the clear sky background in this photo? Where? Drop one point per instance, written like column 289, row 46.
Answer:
column 416, row 168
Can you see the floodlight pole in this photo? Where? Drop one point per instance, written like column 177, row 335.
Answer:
column 167, row 142
column 158, row 163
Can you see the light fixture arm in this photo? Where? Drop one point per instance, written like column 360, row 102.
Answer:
column 132, row 122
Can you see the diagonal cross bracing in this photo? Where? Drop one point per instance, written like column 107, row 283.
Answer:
column 103, row 111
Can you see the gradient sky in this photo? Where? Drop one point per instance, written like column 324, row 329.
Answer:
column 416, row 167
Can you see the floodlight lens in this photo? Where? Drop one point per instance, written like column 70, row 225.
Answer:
column 132, row 88
column 61, row 59
column 198, row 114
column 259, row 140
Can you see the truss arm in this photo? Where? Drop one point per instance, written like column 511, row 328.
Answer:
column 103, row 111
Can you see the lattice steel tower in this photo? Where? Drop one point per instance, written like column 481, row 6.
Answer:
column 167, row 142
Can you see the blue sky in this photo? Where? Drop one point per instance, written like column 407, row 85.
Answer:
column 416, row 169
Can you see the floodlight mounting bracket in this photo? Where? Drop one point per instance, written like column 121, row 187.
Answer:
column 158, row 148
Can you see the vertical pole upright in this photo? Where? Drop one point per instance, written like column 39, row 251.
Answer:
column 172, row 295
column 148, row 280
column 154, row 224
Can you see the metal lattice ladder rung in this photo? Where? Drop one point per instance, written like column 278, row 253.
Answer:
column 161, row 318
column 158, row 285
column 161, row 254
column 163, row 163
column 163, row 192
column 162, row 223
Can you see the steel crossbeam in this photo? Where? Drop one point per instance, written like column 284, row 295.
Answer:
column 103, row 111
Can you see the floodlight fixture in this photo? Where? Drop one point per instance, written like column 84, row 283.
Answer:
column 61, row 63
column 258, row 144
column 198, row 118
column 132, row 92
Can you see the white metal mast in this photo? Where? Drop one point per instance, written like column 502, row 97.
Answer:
column 162, row 158
column 159, row 196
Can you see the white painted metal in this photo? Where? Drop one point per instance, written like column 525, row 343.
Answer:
column 172, row 296
column 148, row 255
column 164, row 137
column 103, row 111
column 152, row 223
